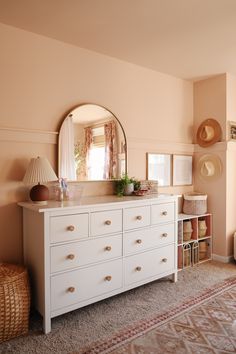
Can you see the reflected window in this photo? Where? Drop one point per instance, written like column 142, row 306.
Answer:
column 96, row 155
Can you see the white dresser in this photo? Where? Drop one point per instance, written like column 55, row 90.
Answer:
column 80, row 254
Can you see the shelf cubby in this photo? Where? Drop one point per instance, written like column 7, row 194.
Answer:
column 198, row 248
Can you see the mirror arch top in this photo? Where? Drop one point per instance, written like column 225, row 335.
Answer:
column 92, row 145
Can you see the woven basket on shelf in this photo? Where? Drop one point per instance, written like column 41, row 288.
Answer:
column 195, row 204
column 14, row 301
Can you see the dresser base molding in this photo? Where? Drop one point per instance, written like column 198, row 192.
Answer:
column 80, row 254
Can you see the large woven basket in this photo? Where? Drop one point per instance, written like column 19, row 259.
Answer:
column 195, row 204
column 14, row 301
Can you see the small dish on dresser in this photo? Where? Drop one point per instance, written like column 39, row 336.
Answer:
column 140, row 192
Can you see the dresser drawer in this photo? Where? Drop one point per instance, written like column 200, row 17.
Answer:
column 77, row 254
column 106, row 222
column 140, row 240
column 136, row 217
column 83, row 284
column 162, row 213
column 68, row 227
column 149, row 264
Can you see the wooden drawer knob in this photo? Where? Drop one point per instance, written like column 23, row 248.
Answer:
column 138, row 269
column 71, row 256
column 164, row 212
column 164, row 234
column 108, row 248
column 70, row 228
column 71, row 289
column 139, row 241
column 164, row 260
column 108, row 278
column 108, row 222
column 139, row 217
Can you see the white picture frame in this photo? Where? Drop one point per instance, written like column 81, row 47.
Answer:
column 159, row 168
column 182, row 170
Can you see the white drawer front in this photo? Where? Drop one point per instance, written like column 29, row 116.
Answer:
column 106, row 222
column 75, row 286
column 72, row 255
column 136, row 217
column 68, row 227
column 162, row 213
column 140, row 240
column 149, row 264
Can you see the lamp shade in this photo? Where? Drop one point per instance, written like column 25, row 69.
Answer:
column 39, row 171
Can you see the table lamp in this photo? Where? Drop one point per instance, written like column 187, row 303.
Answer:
column 39, row 171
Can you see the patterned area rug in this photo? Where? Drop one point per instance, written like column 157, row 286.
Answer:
column 205, row 324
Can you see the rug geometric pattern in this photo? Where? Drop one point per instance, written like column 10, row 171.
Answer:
column 204, row 325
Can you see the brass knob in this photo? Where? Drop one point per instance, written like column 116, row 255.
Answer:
column 139, row 241
column 71, row 256
column 165, row 234
column 108, row 278
column 138, row 269
column 139, row 217
column 164, row 213
column 71, row 228
column 108, row 248
column 71, row 289
column 164, row 260
column 108, row 222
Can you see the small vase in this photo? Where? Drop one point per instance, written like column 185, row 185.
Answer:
column 129, row 188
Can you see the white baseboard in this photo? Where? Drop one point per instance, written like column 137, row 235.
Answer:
column 222, row 259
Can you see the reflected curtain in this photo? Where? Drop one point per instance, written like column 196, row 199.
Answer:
column 67, row 167
column 88, row 142
column 110, row 167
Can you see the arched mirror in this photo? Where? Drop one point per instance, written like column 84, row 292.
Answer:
column 92, row 145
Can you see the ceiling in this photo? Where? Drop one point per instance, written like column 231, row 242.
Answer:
column 190, row 39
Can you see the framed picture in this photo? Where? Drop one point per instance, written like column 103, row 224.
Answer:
column 159, row 168
column 182, row 170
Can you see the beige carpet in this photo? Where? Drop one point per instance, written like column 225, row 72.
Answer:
column 73, row 331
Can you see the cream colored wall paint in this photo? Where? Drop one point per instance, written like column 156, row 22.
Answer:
column 42, row 79
column 210, row 102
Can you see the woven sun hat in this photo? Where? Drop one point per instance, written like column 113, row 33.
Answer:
column 209, row 132
column 209, row 167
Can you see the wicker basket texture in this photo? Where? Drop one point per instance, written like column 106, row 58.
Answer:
column 195, row 204
column 14, row 301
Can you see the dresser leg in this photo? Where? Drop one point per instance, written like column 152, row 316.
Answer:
column 175, row 277
column 46, row 325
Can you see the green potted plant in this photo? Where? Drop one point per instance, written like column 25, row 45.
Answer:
column 126, row 185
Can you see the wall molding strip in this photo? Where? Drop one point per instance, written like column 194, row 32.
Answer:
column 222, row 259
column 28, row 135
column 154, row 145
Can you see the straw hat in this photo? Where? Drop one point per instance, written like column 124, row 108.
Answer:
column 209, row 132
column 209, row 167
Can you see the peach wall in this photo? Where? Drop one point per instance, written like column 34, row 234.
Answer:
column 41, row 79
column 215, row 97
column 231, row 164
column 210, row 102
column 231, row 97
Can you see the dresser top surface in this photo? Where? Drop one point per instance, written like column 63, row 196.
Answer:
column 97, row 201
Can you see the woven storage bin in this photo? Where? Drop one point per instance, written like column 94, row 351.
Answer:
column 14, row 301
column 195, row 204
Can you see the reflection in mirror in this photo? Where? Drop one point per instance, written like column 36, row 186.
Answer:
column 159, row 168
column 92, row 145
